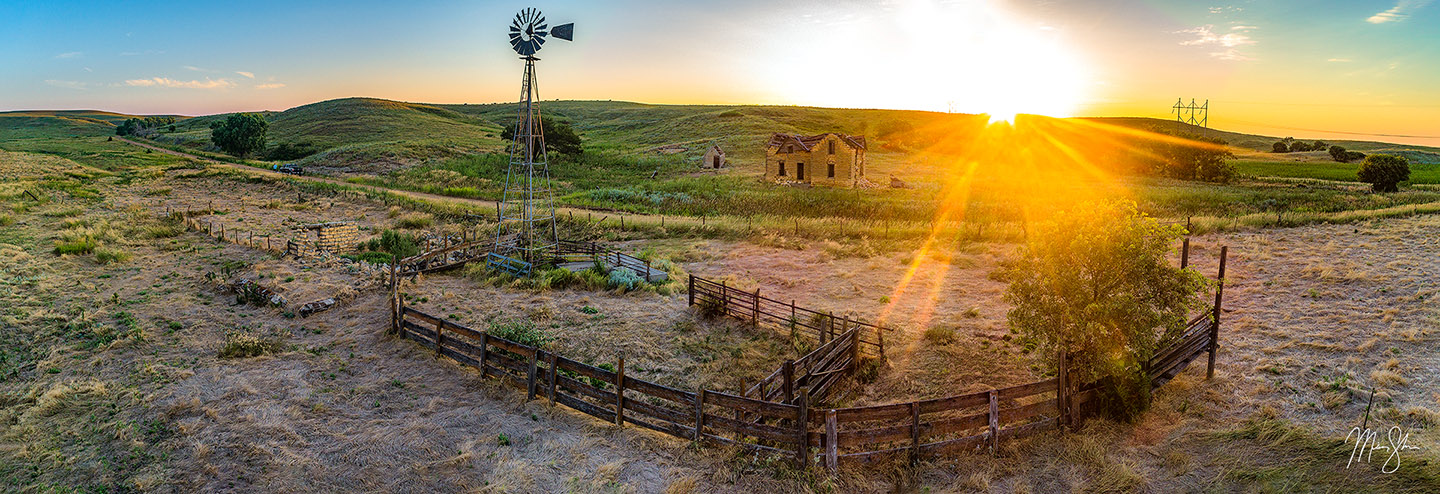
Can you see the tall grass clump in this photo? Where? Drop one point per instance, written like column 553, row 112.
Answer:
column 109, row 255
column 414, row 221
column 243, row 345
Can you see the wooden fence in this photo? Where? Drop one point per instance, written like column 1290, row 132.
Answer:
column 577, row 251
column 701, row 415
column 775, row 415
column 756, row 309
column 814, row 374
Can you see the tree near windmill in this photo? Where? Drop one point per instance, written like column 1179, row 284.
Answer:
column 1096, row 282
column 1384, row 172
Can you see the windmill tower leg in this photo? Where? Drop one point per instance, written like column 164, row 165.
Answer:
column 527, row 227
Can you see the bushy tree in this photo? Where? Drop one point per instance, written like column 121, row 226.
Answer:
column 240, row 133
column 1384, row 172
column 1318, row 146
column 560, row 137
column 1279, row 147
column 1337, row 153
column 1096, row 282
column 1299, row 147
column 1193, row 157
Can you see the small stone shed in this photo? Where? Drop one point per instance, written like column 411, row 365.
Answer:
column 714, row 158
column 338, row 236
column 826, row 159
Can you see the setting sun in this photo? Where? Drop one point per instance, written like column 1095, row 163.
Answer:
column 969, row 57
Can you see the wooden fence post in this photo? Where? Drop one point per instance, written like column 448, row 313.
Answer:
column 690, row 290
column 550, row 390
column 1215, row 324
column 914, row 432
column 802, row 423
column 699, row 415
column 724, row 297
column 620, row 392
column 854, row 347
column 832, row 460
column 439, row 336
column 484, row 342
column 994, row 421
column 755, row 313
column 788, row 370
column 1185, row 253
column 1061, row 389
column 530, row 373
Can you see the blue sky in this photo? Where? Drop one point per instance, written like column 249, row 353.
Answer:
column 1276, row 67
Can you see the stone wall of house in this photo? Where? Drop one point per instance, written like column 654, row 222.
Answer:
column 848, row 163
column 335, row 237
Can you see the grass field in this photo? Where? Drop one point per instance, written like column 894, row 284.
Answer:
column 1420, row 173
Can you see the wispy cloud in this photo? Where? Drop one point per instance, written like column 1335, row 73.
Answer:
column 70, row 54
column 246, row 74
column 66, row 84
column 1227, row 45
column 1339, row 60
column 197, row 69
column 1397, row 13
column 270, row 85
column 208, row 83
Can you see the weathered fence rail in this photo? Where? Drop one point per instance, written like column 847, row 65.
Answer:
column 756, row 309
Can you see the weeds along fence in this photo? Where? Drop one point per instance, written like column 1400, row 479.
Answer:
column 218, row 230
column 813, row 374
column 576, row 251
column 752, row 307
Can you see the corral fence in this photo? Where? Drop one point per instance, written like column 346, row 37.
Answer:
column 752, row 307
column 568, row 251
column 776, row 415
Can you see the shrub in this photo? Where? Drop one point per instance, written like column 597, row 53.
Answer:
column 1096, row 282
column 106, row 255
column 286, row 151
column 6, row 220
column 1384, row 172
column 78, row 246
column 1193, row 157
column 242, row 345
column 624, row 278
column 414, row 221
column 522, row 331
column 940, row 335
column 1279, row 147
column 399, row 245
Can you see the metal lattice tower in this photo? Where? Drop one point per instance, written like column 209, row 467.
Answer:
column 1193, row 114
column 527, row 211
column 527, row 228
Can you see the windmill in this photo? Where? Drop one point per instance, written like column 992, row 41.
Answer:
column 527, row 211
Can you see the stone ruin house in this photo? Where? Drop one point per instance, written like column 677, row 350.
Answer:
column 339, row 236
column 714, row 158
column 827, row 159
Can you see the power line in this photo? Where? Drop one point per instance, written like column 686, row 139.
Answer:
column 1326, row 131
column 1326, row 105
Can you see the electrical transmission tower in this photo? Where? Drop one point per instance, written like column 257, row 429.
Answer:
column 1193, row 114
column 527, row 226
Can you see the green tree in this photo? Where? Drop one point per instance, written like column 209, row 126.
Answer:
column 1279, row 147
column 1384, row 172
column 1193, row 158
column 240, row 133
column 1096, row 282
column 560, row 137
column 1337, row 153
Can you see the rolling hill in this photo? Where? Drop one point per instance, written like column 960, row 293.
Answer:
column 368, row 135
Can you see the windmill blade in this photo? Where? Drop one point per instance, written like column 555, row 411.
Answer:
column 564, row 31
